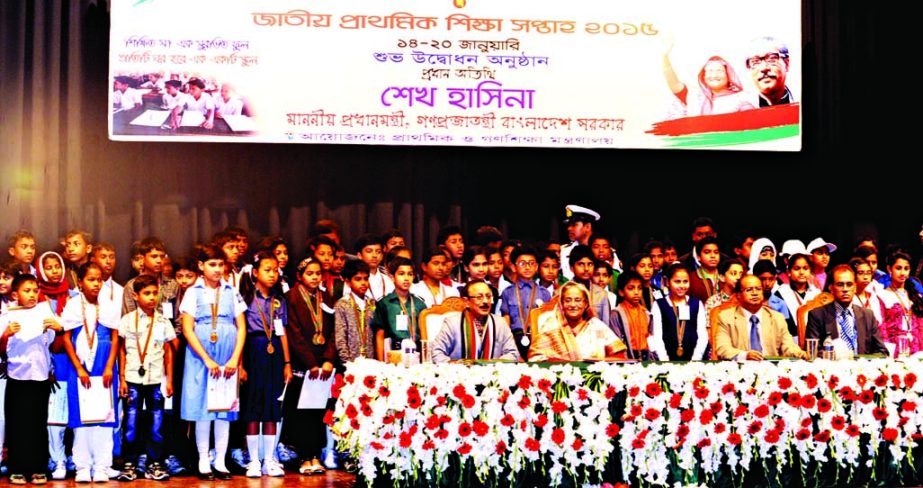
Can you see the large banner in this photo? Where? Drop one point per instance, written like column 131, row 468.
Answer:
column 520, row 73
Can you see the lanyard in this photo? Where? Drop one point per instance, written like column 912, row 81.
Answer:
column 413, row 316
column 91, row 337
column 524, row 310
column 142, row 353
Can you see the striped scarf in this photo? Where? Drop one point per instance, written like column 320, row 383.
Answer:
column 469, row 339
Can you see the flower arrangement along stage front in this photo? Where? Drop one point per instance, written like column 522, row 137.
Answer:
column 786, row 423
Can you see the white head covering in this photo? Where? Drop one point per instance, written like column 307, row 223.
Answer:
column 757, row 247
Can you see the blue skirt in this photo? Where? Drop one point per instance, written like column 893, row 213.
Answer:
column 265, row 381
column 194, row 406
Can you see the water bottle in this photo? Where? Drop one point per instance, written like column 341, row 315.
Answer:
column 409, row 352
column 828, row 348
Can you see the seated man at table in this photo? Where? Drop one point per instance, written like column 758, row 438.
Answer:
column 752, row 331
column 475, row 333
column 856, row 325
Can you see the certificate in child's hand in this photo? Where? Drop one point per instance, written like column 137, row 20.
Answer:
column 222, row 394
column 95, row 402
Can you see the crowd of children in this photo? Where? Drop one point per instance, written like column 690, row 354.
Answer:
column 154, row 346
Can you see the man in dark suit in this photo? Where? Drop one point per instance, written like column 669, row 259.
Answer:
column 857, row 326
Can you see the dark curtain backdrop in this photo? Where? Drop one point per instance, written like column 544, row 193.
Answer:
column 60, row 171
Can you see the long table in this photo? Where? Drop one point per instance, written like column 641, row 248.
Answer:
column 785, row 423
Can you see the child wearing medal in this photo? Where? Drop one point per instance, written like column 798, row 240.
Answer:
column 148, row 341
column 92, row 347
column 310, row 333
column 266, row 362
column 214, row 325
column 678, row 321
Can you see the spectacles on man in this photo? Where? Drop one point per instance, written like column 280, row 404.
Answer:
column 768, row 58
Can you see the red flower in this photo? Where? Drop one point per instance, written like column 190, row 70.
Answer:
column 794, row 399
column 701, row 393
column 577, row 444
column 532, row 444
column 405, row 439
column 433, row 391
column 432, row 422
column 414, row 402
column 388, row 435
column 557, row 436
column 367, row 410
column 582, row 394
column 429, row 445
column 675, row 400
column 823, row 437
column 740, row 411
column 861, row 379
column 354, row 424
column 687, row 415
column 881, row 381
column 780, row 424
column 761, row 411
column 480, row 428
column 413, row 391
column 500, row 448
column 464, row 429
column 902, row 421
column 810, row 380
column 524, row 402
column 653, row 389
column 706, row 417
column 636, row 410
column 544, row 384
column 441, row 434
column 522, row 425
column 349, row 378
column 866, row 396
column 504, row 396
column 838, row 422
column 351, row 411
column 444, row 419
column 541, row 421
column 755, row 427
column 384, row 391
column 832, row 382
column 377, row 445
column 908, row 406
column 652, row 414
column 459, row 391
column 895, row 381
column 803, row 435
column 772, row 437
column 716, row 407
column 328, row 417
column 507, row 420
column 808, row 401
column 464, row 449
column 413, row 429
column 824, row 405
column 633, row 391
column 909, row 380
column 525, row 382
column 364, row 399
column 703, row 443
column 852, row 430
column 467, row 401
column 610, row 392
column 558, row 407
column 719, row 428
column 387, row 419
column 889, row 434
column 806, row 422
column 440, row 401
column 879, row 413
column 682, row 431
column 612, row 430
column 785, row 383
column 734, row 439
column 847, row 394
column 637, row 443
column 775, row 398
column 728, row 389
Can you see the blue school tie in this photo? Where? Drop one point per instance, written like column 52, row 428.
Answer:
column 755, row 344
column 847, row 328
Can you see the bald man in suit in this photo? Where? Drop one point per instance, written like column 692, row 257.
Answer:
column 751, row 331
